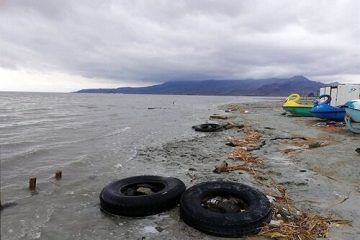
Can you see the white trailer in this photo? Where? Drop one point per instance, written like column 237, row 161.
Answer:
column 341, row 93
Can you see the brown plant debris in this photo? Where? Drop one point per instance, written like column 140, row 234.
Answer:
column 251, row 140
column 296, row 144
column 237, row 141
column 252, row 136
column 224, row 167
column 300, row 226
column 288, row 223
column 241, row 154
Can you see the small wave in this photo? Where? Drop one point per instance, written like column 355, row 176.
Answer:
column 118, row 131
column 34, row 152
column 12, row 185
column 88, row 106
column 63, row 116
column 25, row 124
column 36, row 109
column 7, row 135
column 12, row 145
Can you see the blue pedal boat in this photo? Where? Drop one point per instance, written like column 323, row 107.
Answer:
column 352, row 115
column 324, row 110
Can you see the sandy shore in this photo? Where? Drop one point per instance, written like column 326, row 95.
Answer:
column 324, row 179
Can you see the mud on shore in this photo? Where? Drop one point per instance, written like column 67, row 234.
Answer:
column 316, row 164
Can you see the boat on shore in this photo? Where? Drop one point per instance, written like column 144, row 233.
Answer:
column 353, row 115
column 324, row 110
column 293, row 106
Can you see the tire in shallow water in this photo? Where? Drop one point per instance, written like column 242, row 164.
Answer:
column 122, row 197
column 208, row 127
column 229, row 224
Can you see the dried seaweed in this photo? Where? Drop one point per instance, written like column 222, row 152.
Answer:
column 288, row 223
column 224, row 167
column 291, row 224
column 243, row 145
column 241, row 154
column 301, row 226
column 294, row 145
column 252, row 136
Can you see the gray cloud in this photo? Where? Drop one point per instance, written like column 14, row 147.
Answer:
column 158, row 40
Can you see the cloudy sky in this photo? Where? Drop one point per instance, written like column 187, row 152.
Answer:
column 52, row 45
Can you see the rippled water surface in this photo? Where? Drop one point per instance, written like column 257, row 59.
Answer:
column 92, row 139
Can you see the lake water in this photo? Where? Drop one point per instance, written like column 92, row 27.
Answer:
column 92, row 139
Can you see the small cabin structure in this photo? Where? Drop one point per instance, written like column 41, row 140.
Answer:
column 341, row 93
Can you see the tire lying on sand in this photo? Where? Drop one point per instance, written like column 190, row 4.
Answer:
column 141, row 195
column 225, row 209
column 208, row 127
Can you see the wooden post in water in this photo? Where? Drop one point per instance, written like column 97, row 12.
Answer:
column 58, row 175
column 32, row 183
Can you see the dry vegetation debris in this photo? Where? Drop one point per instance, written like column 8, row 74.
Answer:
column 301, row 226
column 288, row 223
column 242, row 155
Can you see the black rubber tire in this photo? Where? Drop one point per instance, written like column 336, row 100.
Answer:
column 208, row 127
column 237, row 224
column 114, row 201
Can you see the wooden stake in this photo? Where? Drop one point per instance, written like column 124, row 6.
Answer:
column 32, row 183
column 58, row 175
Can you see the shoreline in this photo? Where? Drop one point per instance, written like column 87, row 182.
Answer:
column 308, row 174
column 322, row 180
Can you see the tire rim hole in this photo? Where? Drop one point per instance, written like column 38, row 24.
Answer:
column 224, row 204
column 142, row 189
column 210, row 126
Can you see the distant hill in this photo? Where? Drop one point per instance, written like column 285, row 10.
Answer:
column 262, row 87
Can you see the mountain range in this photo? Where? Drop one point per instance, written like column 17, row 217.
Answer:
column 250, row 87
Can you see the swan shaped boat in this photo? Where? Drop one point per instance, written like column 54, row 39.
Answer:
column 292, row 105
column 324, row 110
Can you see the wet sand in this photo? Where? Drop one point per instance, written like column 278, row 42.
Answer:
column 324, row 179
